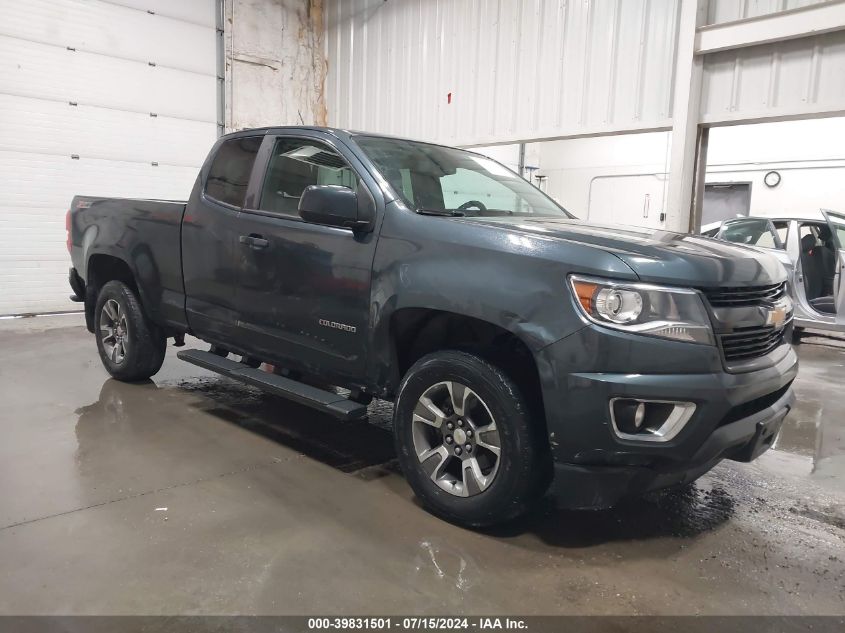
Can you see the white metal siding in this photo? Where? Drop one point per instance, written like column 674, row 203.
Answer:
column 516, row 69
column 803, row 77
column 132, row 58
column 719, row 11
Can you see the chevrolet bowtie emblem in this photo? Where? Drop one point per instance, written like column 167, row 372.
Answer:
column 778, row 314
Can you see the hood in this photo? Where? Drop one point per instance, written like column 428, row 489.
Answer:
column 656, row 255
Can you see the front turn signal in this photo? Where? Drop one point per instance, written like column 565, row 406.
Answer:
column 585, row 291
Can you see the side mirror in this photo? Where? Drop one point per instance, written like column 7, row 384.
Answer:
column 333, row 205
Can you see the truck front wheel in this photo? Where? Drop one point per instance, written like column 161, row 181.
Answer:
column 131, row 347
column 465, row 441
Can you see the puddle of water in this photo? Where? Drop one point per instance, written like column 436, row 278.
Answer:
column 815, row 427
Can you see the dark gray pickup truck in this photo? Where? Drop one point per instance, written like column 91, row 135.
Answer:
column 521, row 347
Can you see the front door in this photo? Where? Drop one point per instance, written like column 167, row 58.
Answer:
column 303, row 290
column 836, row 222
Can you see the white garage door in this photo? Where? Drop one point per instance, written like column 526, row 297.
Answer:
column 96, row 98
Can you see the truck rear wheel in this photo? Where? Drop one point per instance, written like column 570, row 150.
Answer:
column 465, row 441
column 131, row 347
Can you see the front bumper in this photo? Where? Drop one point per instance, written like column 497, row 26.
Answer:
column 737, row 415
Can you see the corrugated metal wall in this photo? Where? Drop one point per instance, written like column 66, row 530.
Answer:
column 481, row 72
column 786, row 79
column 473, row 72
column 719, row 11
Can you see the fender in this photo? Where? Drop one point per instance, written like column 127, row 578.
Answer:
column 457, row 267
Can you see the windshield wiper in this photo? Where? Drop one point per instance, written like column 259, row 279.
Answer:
column 449, row 213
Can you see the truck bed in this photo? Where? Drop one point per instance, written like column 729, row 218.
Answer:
column 143, row 233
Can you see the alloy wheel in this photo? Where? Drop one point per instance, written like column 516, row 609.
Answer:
column 456, row 439
column 114, row 331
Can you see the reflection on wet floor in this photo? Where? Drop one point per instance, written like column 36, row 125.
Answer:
column 682, row 513
column 816, row 425
column 347, row 446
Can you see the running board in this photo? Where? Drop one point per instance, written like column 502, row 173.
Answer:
column 331, row 403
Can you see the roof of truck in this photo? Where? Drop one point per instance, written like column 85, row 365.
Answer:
column 313, row 128
column 334, row 131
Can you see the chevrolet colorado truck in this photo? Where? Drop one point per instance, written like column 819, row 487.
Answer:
column 522, row 348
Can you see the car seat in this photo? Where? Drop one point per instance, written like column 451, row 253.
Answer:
column 827, row 260
column 810, row 265
column 813, row 263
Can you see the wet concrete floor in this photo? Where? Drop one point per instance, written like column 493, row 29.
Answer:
column 191, row 494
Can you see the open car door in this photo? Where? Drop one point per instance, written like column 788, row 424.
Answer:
column 836, row 221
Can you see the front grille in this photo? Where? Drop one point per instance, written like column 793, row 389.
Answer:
column 738, row 297
column 747, row 343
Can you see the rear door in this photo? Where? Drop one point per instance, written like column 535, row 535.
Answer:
column 303, row 290
column 209, row 237
column 836, row 221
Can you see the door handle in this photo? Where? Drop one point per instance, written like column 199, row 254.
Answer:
column 254, row 241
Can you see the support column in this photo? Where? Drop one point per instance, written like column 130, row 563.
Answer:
column 686, row 146
column 700, row 175
column 522, row 160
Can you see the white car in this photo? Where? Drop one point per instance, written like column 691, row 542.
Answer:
column 813, row 252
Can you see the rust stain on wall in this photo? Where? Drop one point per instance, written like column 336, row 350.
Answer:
column 276, row 64
column 319, row 62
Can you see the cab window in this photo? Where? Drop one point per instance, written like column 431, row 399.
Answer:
column 229, row 174
column 782, row 229
column 296, row 164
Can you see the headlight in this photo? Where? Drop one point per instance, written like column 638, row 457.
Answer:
column 673, row 313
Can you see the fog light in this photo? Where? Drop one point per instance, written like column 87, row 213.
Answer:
column 649, row 420
column 639, row 415
column 628, row 415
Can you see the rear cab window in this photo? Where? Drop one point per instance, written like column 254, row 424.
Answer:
column 230, row 170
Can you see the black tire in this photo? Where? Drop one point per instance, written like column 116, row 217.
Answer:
column 146, row 344
column 522, row 475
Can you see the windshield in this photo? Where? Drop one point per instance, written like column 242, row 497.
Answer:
column 448, row 181
column 753, row 231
